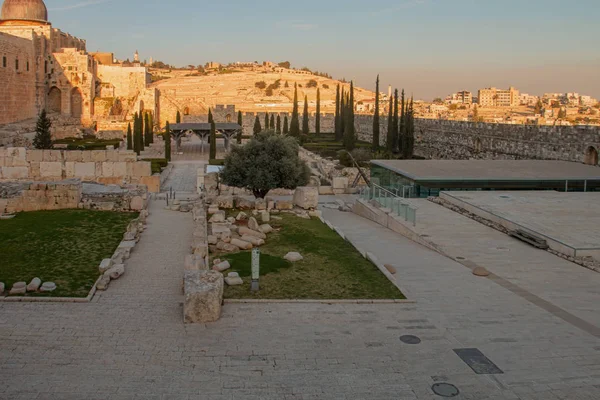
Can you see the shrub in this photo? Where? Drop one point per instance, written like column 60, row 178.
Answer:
column 312, row 84
column 325, row 86
column 261, row 85
column 157, row 164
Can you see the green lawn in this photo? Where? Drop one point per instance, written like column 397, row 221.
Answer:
column 64, row 247
column 331, row 269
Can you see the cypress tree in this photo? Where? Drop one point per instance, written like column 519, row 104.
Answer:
column 337, row 124
column 395, row 131
column 295, row 122
column 389, row 142
column 178, row 117
column 402, row 128
column 151, row 127
column 129, row 137
column 43, row 136
column 146, row 129
column 376, row 118
column 305, row 128
column 167, row 138
column 349, row 132
column 241, row 124
column 278, row 128
column 136, row 139
column 342, row 114
column 257, row 127
column 272, row 123
column 318, row 115
column 213, row 141
column 266, row 121
column 210, row 116
column 409, row 130
column 285, row 125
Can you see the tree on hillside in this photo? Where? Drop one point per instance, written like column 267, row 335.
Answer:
column 295, row 122
column 337, row 122
column 213, row 141
column 409, row 133
column 375, row 143
column 178, row 117
column 136, row 139
column 272, row 122
column 266, row 121
column 43, row 136
column 285, row 64
column 240, row 123
column 538, row 107
column 395, row 122
column 167, row 139
column 402, row 124
column 266, row 162
column 129, row 137
column 278, row 127
column 318, row 114
column 257, row 127
column 151, row 127
column 305, row 127
column 343, row 102
column 389, row 141
column 349, row 133
column 286, row 129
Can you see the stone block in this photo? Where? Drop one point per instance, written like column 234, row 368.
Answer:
column 35, row 155
column 293, row 257
column 326, row 190
column 253, row 240
column 105, row 265
column 18, row 155
column 98, row 155
column 115, row 272
column 340, row 182
column 266, row 228
column 218, row 216
column 241, row 244
column 253, row 224
column 244, row 204
column 260, row 204
column 103, row 282
column 152, row 182
column 73, row 155
column 108, row 168
column 306, row 197
column 51, row 169
column 86, row 156
column 35, row 170
column 136, row 204
column 34, row 285
column 203, row 296
column 141, row 168
column 128, row 157
column 284, row 205
column 119, row 169
column 19, row 288
column 15, row 172
column 247, row 231
column 194, row 262
column 225, row 202
column 222, row 266
column 85, row 170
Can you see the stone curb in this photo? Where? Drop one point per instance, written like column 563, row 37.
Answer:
column 276, row 301
column 371, row 258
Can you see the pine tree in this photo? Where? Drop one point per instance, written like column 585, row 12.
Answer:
column 213, row 141
column 278, row 128
column 178, row 117
column 43, row 136
column 376, row 118
column 349, row 132
column 295, row 122
column 286, row 129
column 272, row 123
column 146, row 129
column 241, row 124
column 395, row 131
column 305, row 127
column 402, row 125
column 129, row 137
column 318, row 114
column 167, row 138
column 266, row 121
column 257, row 127
column 337, row 122
column 210, row 116
column 151, row 127
column 389, row 143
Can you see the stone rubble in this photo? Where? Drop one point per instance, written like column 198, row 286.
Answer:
column 48, row 287
column 34, row 285
column 19, row 288
column 293, row 257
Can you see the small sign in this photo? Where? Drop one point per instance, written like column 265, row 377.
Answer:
column 255, row 269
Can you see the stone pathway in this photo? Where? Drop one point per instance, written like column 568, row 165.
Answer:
column 183, row 177
column 130, row 342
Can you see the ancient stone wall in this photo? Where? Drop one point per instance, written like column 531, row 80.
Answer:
column 102, row 166
column 17, row 79
column 125, row 81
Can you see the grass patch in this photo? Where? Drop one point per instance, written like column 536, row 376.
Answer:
column 157, row 164
column 331, row 269
column 88, row 144
column 65, row 247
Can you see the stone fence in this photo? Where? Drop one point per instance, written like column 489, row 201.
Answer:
column 102, row 166
column 69, row 194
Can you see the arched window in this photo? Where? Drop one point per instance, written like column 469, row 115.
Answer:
column 54, row 100
column 76, row 103
column 591, row 156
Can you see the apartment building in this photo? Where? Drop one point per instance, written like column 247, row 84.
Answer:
column 493, row 97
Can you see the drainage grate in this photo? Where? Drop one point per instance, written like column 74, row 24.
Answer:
column 445, row 390
column 478, row 362
column 410, row 339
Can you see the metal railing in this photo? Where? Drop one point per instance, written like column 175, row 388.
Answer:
column 390, row 200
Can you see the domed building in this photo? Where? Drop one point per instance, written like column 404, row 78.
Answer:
column 23, row 12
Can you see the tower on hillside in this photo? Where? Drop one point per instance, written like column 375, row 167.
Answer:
column 136, row 57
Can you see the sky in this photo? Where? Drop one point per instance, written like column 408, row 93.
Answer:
column 431, row 48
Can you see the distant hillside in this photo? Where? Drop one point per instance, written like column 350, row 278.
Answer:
column 250, row 90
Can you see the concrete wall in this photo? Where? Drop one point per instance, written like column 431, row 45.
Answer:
column 102, row 166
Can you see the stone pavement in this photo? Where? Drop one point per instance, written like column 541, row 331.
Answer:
column 130, row 342
column 183, row 176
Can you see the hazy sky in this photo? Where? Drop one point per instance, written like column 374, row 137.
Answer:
column 429, row 47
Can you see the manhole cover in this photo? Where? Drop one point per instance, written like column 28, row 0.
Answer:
column 445, row 390
column 410, row 339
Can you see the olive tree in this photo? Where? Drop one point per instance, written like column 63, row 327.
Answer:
column 268, row 161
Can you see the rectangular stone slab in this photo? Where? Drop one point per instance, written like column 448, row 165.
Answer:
column 478, row 362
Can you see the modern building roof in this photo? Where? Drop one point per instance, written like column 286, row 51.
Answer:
column 490, row 170
column 24, row 10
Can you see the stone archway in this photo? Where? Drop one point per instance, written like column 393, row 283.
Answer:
column 591, row 156
column 186, row 111
column 76, row 103
column 478, row 145
column 54, row 100
column 228, row 118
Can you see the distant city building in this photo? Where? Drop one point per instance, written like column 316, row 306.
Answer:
column 493, row 97
column 463, row 97
column 528, row 100
column 136, row 57
column 212, row 65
